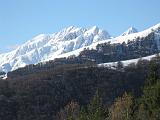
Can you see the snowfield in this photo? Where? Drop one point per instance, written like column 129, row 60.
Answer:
column 69, row 41
column 125, row 62
column 49, row 46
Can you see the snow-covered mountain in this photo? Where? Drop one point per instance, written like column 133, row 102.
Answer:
column 46, row 46
column 131, row 30
column 69, row 41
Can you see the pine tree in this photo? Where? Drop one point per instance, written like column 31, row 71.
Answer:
column 142, row 113
column 151, row 96
column 119, row 65
column 95, row 109
column 83, row 114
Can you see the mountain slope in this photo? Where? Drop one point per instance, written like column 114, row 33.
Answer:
column 126, row 62
column 43, row 47
column 123, row 39
column 69, row 41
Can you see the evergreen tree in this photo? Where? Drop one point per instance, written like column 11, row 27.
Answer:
column 83, row 114
column 95, row 109
column 151, row 96
column 119, row 65
column 142, row 113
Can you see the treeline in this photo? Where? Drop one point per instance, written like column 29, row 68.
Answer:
column 138, row 47
column 43, row 95
column 50, row 65
column 106, row 52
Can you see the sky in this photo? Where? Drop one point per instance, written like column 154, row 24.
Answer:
column 21, row 20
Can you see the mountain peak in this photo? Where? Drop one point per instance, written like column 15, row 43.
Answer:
column 72, row 39
column 131, row 30
column 70, row 28
column 95, row 28
column 48, row 46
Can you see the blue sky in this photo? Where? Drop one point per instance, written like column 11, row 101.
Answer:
column 20, row 20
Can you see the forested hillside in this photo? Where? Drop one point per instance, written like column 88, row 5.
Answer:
column 64, row 92
column 106, row 52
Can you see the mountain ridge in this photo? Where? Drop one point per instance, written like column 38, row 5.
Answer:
column 44, row 46
column 69, row 41
column 131, row 30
